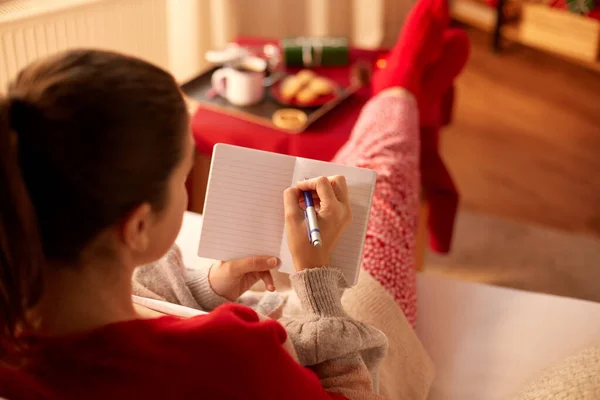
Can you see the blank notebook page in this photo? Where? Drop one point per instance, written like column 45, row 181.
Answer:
column 243, row 213
column 347, row 255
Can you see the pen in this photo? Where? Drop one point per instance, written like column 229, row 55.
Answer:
column 314, row 234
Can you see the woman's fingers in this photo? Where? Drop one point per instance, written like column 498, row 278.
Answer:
column 334, row 187
column 322, row 186
column 340, row 188
column 267, row 278
column 291, row 205
column 250, row 264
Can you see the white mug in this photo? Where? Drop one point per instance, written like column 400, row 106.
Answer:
column 243, row 83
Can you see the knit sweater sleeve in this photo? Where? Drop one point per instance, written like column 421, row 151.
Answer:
column 343, row 352
column 168, row 279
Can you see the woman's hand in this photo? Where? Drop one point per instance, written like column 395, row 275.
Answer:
column 333, row 217
column 230, row 279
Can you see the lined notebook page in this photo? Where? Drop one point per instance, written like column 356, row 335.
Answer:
column 347, row 256
column 243, row 212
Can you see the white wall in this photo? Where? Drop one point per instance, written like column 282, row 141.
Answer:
column 177, row 33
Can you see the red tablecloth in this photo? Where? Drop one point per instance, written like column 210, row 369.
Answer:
column 320, row 141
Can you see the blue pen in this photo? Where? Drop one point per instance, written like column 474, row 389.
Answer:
column 314, row 234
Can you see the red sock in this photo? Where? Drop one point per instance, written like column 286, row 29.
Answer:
column 439, row 76
column 436, row 181
column 419, row 41
column 447, row 107
column 440, row 190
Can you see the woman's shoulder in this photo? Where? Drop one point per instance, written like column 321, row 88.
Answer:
column 199, row 355
column 230, row 325
column 227, row 322
column 230, row 339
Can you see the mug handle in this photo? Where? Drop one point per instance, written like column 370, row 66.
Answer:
column 218, row 80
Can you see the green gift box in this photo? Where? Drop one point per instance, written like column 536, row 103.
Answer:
column 307, row 51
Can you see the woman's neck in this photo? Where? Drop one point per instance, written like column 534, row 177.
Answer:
column 77, row 299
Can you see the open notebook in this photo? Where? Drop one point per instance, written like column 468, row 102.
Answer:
column 243, row 211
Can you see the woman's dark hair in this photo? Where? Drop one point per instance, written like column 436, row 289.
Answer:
column 85, row 136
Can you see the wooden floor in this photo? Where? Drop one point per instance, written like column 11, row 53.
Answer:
column 525, row 142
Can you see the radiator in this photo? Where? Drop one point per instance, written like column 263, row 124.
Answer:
column 30, row 29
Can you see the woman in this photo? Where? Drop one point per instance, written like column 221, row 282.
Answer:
column 95, row 150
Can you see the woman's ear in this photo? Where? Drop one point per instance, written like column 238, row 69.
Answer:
column 136, row 229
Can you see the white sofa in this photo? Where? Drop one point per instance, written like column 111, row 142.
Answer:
column 486, row 342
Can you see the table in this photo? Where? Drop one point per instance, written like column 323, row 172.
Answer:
column 320, row 141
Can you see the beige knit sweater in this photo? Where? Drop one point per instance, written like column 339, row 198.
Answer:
column 340, row 334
